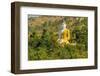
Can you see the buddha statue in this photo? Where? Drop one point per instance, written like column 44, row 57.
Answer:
column 64, row 35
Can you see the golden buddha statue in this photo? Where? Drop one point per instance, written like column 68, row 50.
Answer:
column 64, row 35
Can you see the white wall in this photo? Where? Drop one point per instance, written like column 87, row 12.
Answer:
column 5, row 42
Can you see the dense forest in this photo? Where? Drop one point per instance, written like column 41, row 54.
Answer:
column 43, row 32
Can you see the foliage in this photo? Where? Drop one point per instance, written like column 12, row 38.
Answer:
column 43, row 34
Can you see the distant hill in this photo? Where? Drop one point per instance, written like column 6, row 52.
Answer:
column 42, row 19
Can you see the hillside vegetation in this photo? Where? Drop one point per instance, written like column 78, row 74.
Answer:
column 43, row 35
